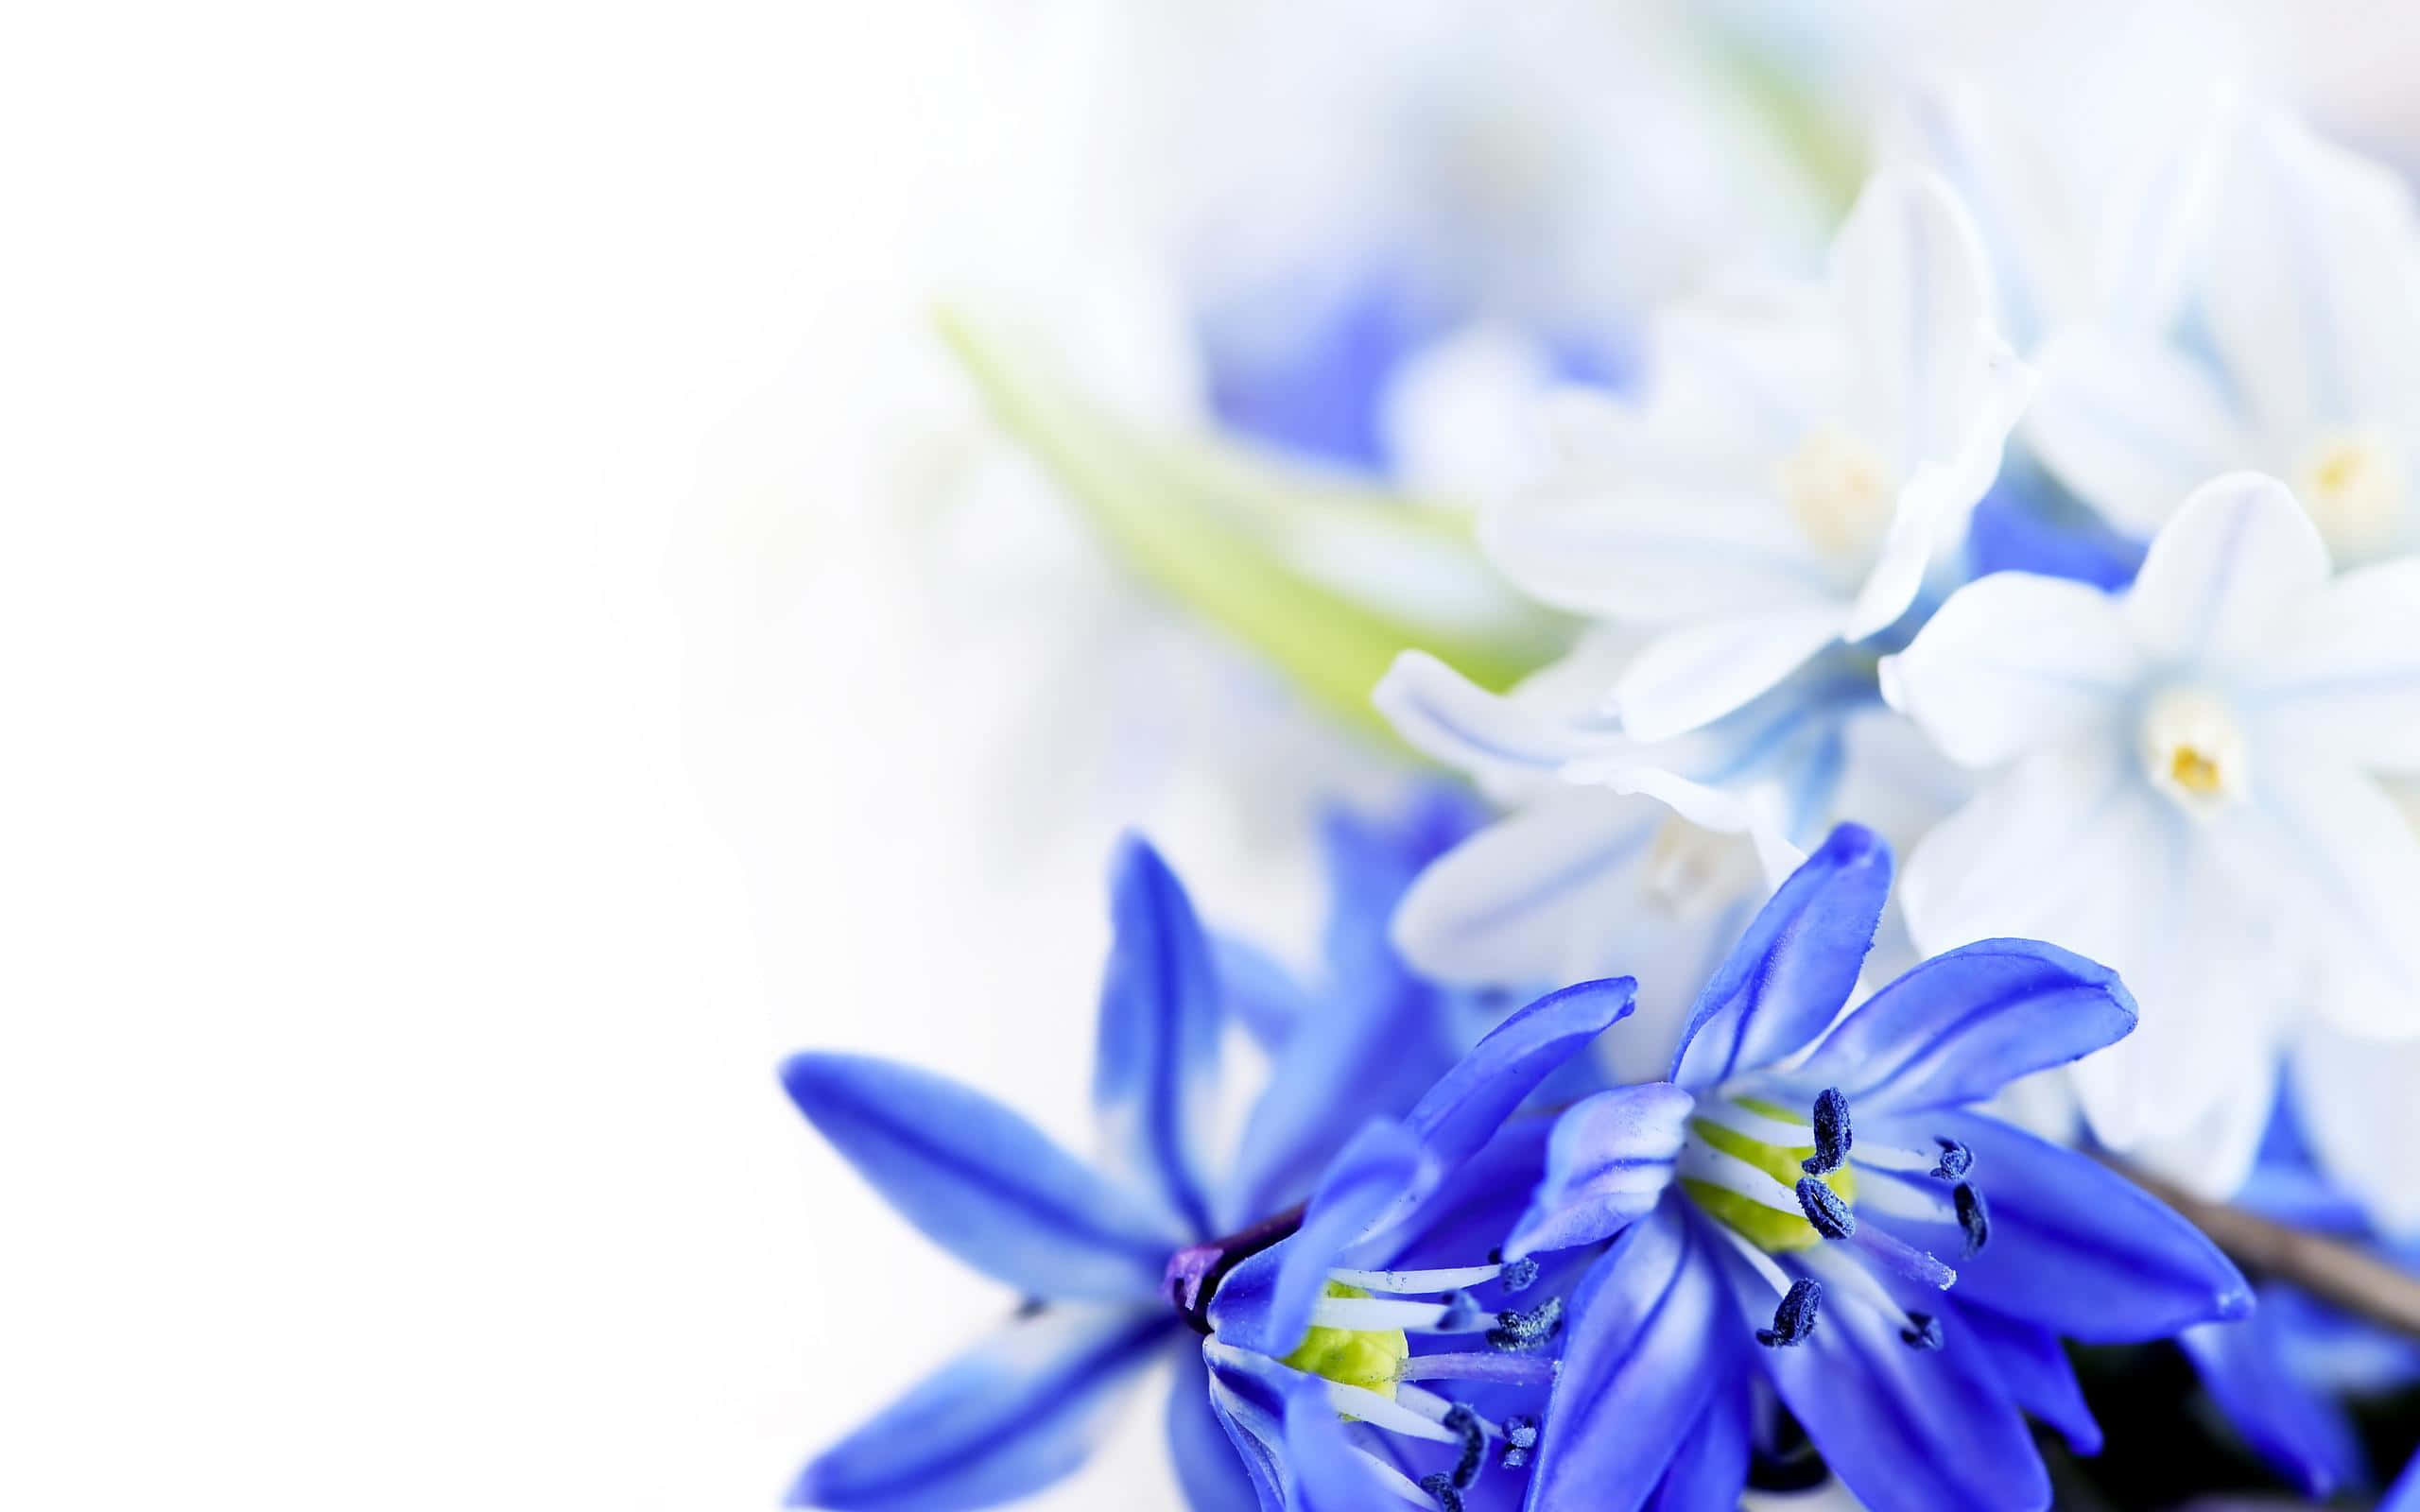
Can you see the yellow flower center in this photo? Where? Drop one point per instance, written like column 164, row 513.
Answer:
column 1839, row 491
column 1369, row 1359
column 2353, row 484
column 1768, row 1228
column 2194, row 751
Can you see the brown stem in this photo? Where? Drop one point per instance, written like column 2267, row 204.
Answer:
column 2347, row 1275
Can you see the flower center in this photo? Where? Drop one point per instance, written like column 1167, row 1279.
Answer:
column 1768, row 1228
column 2353, row 484
column 2194, row 751
column 1368, row 1358
column 1839, row 491
column 1692, row 871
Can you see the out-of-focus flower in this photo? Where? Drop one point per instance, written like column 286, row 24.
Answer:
column 1912, row 1376
column 2186, row 792
column 1797, row 466
column 2303, row 360
column 1096, row 1248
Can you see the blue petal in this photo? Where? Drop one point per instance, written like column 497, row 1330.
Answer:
column 1328, row 1476
column 1265, row 1302
column 1248, row 1391
column 1372, row 863
column 1710, row 1470
column 1607, row 1165
column 1908, row 1430
column 1650, row 1336
column 1786, row 980
column 2404, row 1495
column 2303, row 1433
column 2075, row 1247
column 1206, row 1464
column 1155, row 1076
column 982, row 1182
column 1257, row 991
column 1003, row 1421
column 2013, row 530
column 1959, row 1026
column 1464, row 1110
column 2034, row 1368
column 1371, row 1053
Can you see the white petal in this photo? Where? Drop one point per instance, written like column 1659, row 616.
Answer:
column 1635, row 548
column 2211, row 1155
column 2349, row 861
column 1914, row 289
column 2072, row 846
column 1499, row 740
column 1686, row 678
column 2314, row 290
column 2220, row 576
column 2012, row 663
column 2340, row 677
column 2129, row 425
column 2356, row 1101
column 1530, row 898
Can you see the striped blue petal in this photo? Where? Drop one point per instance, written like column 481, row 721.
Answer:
column 2075, row 1247
column 1327, row 1473
column 1958, row 1027
column 1265, row 1302
column 1207, row 1467
column 1010, row 1417
column 1248, row 1391
column 1909, row 1430
column 1710, row 1471
column 1467, row 1106
column 1608, row 1163
column 2304, row 1433
column 1787, row 979
column 2033, row 1366
column 1155, row 1073
column 1652, row 1334
column 982, row 1182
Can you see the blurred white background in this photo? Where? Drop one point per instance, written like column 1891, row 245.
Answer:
column 467, row 716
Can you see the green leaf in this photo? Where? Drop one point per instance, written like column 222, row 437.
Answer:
column 1253, row 548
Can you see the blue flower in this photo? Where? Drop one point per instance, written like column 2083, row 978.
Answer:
column 1110, row 1254
column 1389, row 1302
column 1841, row 1226
column 2276, row 1375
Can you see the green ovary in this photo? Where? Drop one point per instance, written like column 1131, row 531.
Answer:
column 1365, row 1359
column 1768, row 1228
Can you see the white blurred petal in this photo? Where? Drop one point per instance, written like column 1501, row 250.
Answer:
column 2222, row 574
column 1649, row 552
column 2349, row 859
column 2340, row 679
column 1915, row 290
column 1501, row 740
column 1688, row 677
column 2133, row 426
column 2314, row 280
column 2013, row 662
column 2359, row 1101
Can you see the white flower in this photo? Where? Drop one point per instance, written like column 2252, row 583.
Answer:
column 1635, row 859
column 1794, row 473
column 2187, row 791
column 2305, row 362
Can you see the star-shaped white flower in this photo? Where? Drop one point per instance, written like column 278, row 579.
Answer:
column 2305, row 363
column 1797, row 467
column 2189, row 790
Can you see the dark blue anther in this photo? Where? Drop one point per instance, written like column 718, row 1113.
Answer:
column 1460, row 1312
column 1922, row 1332
column 1520, row 1436
column 1973, row 1217
column 1519, row 1275
column 1956, row 1159
column 1441, row 1486
column 1516, row 1331
column 1794, row 1319
column 1832, row 1133
column 1825, row 1208
column 1461, row 1419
